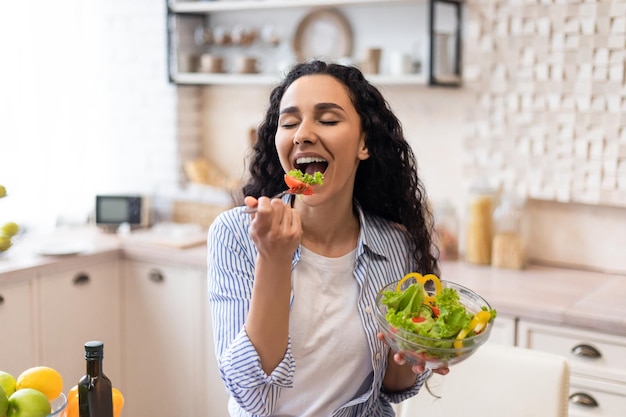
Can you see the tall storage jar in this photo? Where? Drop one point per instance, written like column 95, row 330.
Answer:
column 446, row 231
column 509, row 240
column 479, row 225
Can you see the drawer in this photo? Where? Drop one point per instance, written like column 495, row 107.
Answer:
column 596, row 398
column 595, row 354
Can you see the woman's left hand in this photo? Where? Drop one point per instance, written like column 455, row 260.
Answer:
column 419, row 368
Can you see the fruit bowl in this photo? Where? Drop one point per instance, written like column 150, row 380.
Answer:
column 432, row 352
column 59, row 406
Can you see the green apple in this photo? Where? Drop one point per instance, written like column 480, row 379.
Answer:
column 7, row 383
column 28, row 402
column 5, row 243
column 10, row 229
column 4, row 402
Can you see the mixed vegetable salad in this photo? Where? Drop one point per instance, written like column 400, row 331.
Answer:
column 438, row 316
column 300, row 183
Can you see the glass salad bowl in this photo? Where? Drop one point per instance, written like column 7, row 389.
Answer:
column 59, row 406
column 423, row 348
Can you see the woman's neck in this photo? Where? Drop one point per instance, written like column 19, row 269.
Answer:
column 330, row 231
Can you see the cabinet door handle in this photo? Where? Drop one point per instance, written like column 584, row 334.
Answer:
column 586, row 351
column 81, row 279
column 582, row 399
column 156, row 276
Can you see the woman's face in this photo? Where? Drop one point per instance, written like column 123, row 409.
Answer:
column 320, row 130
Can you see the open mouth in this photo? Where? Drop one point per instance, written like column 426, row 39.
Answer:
column 311, row 165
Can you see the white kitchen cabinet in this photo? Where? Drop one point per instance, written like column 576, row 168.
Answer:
column 79, row 305
column 598, row 365
column 590, row 397
column 18, row 350
column 169, row 365
column 503, row 330
column 399, row 27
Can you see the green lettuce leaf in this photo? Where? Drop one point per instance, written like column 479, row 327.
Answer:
column 315, row 179
column 452, row 314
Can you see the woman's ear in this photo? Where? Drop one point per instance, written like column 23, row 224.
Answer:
column 364, row 152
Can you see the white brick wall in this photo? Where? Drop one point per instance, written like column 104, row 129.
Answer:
column 561, row 66
column 85, row 105
column 551, row 88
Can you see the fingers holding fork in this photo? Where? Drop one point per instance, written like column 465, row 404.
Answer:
column 292, row 199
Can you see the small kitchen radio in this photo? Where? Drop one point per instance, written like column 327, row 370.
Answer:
column 114, row 210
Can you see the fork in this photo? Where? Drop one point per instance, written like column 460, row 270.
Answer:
column 292, row 191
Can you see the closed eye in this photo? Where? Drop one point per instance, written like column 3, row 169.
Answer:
column 293, row 124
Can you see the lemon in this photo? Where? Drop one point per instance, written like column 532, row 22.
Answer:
column 41, row 378
column 3, row 191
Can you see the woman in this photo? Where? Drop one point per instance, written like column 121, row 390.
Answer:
column 292, row 290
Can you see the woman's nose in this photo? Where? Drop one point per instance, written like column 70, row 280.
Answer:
column 305, row 133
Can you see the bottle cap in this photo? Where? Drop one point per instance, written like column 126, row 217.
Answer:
column 94, row 350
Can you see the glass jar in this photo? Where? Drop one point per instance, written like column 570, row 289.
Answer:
column 509, row 239
column 446, row 231
column 479, row 228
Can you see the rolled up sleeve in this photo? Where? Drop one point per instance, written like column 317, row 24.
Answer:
column 397, row 397
column 230, row 269
column 254, row 390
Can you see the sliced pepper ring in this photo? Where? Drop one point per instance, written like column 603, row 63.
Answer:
column 422, row 279
column 407, row 277
column 435, row 279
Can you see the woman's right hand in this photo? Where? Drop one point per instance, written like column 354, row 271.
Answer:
column 275, row 228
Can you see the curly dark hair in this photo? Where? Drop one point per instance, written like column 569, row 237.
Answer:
column 386, row 183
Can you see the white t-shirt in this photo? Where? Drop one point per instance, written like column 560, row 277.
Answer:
column 329, row 344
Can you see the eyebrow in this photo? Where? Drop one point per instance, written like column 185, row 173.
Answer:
column 318, row 107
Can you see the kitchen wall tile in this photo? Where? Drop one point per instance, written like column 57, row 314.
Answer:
column 617, row 9
column 576, row 63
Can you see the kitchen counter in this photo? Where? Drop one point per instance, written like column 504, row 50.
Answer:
column 73, row 248
column 76, row 247
column 558, row 296
column 553, row 295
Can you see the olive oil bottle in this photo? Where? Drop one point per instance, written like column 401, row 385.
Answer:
column 95, row 391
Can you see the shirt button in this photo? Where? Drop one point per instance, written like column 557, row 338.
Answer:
column 368, row 310
column 377, row 356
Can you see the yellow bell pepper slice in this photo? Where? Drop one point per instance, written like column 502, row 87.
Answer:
column 435, row 279
column 478, row 323
column 407, row 277
column 422, row 280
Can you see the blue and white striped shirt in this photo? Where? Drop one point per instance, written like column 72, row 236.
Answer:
column 382, row 257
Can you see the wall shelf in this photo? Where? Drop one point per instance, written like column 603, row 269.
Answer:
column 217, row 6
column 197, row 78
column 402, row 26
